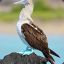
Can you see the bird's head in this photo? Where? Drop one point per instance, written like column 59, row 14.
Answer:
column 24, row 2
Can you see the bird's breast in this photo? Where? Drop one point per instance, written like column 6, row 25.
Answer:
column 19, row 27
column 20, row 23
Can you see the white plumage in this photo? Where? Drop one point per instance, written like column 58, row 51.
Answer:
column 25, row 14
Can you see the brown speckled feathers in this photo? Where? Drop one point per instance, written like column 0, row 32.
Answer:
column 35, row 37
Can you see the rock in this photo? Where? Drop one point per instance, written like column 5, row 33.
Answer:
column 63, row 0
column 16, row 58
column 0, row 0
column 63, row 63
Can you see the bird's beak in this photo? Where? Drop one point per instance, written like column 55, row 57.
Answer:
column 25, row 2
column 19, row 2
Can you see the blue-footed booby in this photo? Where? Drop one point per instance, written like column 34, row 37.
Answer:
column 33, row 36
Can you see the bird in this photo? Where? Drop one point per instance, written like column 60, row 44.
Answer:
column 31, row 34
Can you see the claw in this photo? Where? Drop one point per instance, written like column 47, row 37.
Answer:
column 51, row 61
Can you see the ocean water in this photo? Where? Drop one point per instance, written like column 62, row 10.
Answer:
column 12, row 43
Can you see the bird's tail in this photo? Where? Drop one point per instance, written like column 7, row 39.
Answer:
column 54, row 53
column 49, row 58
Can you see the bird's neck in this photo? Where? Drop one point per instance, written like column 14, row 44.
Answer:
column 25, row 13
column 29, row 8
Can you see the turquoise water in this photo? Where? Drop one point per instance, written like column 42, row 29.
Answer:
column 12, row 43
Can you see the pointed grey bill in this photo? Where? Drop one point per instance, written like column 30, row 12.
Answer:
column 25, row 2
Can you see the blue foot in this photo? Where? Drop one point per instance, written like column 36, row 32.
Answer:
column 27, row 51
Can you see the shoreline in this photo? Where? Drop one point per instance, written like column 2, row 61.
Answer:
column 49, row 28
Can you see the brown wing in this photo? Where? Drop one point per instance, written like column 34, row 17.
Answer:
column 35, row 38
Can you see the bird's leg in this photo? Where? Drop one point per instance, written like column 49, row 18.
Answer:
column 28, row 51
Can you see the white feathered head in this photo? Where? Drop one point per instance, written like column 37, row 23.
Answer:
column 25, row 2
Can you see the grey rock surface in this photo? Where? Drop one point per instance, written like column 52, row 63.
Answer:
column 16, row 58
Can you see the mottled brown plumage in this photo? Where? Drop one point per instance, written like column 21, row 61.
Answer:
column 37, row 39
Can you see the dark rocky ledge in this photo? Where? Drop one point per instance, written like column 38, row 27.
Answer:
column 63, row 63
column 16, row 58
